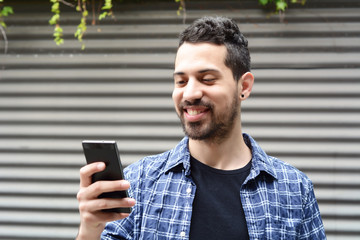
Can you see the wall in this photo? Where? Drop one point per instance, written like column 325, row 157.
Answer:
column 305, row 107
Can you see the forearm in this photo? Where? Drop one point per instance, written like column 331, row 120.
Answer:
column 89, row 233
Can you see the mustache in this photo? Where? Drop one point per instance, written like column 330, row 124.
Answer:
column 197, row 102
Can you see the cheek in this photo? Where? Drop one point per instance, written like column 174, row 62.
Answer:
column 221, row 95
column 224, row 101
column 176, row 96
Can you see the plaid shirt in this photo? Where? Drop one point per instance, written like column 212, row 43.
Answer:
column 278, row 199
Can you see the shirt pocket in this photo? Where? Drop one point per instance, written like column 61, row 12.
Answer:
column 282, row 228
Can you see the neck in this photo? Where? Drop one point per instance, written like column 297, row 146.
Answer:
column 229, row 154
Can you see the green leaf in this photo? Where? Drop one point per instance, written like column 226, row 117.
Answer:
column 77, row 33
column 58, row 29
column 54, row 19
column 178, row 12
column 6, row 11
column 59, row 41
column 2, row 23
column 263, row 2
column 103, row 15
column 281, row 5
column 106, row 7
column 55, row 7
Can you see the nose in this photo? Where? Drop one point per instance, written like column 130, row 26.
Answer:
column 192, row 90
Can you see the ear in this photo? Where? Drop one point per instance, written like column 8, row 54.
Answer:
column 245, row 85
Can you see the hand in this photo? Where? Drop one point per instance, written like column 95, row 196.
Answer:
column 92, row 219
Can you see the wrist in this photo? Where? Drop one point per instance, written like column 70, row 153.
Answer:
column 89, row 234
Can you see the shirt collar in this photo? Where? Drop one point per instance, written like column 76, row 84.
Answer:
column 260, row 160
column 180, row 155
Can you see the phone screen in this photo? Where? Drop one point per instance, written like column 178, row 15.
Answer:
column 107, row 152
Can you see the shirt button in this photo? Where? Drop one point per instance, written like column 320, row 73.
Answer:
column 182, row 234
column 188, row 191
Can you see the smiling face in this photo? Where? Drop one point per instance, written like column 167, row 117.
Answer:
column 205, row 95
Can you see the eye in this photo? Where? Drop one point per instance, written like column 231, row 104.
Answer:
column 180, row 82
column 208, row 78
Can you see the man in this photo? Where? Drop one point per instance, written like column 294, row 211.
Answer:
column 217, row 183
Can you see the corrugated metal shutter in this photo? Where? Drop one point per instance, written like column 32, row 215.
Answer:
column 305, row 108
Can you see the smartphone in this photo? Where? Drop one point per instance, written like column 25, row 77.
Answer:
column 107, row 152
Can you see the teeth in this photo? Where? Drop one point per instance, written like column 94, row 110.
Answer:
column 193, row 112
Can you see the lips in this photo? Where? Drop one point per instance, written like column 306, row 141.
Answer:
column 195, row 114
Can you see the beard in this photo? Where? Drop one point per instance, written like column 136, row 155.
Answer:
column 218, row 127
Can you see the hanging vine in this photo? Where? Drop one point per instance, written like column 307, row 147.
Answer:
column 105, row 10
column 4, row 12
column 181, row 9
column 55, row 20
column 280, row 5
column 81, row 28
column 81, row 7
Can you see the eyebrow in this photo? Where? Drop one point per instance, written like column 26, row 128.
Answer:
column 201, row 71
column 209, row 70
column 178, row 73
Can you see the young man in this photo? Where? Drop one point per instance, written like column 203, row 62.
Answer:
column 217, row 183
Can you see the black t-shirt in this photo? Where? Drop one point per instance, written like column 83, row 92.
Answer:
column 217, row 210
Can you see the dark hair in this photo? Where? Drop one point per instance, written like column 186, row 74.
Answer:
column 221, row 31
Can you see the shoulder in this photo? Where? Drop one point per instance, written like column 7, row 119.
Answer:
column 291, row 177
column 286, row 171
column 149, row 166
column 281, row 171
column 155, row 165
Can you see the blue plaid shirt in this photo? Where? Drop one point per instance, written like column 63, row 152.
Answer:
column 278, row 199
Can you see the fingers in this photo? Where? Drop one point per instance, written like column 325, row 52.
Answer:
column 105, row 203
column 92, row 218
column 88, row 170
column 94, row 190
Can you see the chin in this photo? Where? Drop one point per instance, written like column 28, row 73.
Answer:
column 196, row 131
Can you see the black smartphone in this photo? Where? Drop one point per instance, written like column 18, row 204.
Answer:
column 107, row 152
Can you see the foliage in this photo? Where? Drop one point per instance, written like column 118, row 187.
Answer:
column 82, row 7
column 81, row 28
column 107, row 10
column 181, row 6
column 4, row 12
column 105, row 6
column 280, row 5
column 181, row 9
column 55, row 20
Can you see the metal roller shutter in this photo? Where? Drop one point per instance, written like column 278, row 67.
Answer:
column 305, row 107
